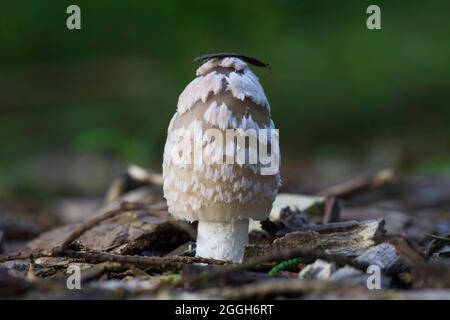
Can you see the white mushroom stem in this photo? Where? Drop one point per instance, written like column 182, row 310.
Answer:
column 222, row 240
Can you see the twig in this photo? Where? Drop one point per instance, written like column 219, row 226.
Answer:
column 348, row 188
column 332, row 210
column 186, row 259
column 174, row 263
column 22, row 255
column 436, row 244
column 429, row 235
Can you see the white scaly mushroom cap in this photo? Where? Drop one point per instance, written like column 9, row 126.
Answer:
column 226, row 94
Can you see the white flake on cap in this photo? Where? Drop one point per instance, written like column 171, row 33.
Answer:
column 246, row 85
column 190, row 196
column 229, row 62
column 199, row 89
column 248, row 123
column 220, row 116
column 242, row 83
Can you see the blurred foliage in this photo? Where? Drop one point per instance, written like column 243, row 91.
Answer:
column 112, row 86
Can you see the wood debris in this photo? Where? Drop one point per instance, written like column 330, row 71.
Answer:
column 320, row 270
column 295, row 240
column 320, row 246
column 121, row 231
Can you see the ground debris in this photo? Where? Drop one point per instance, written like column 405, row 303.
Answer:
column 312, row 206
column 128, row 231
column 320, row 270
column 305, row 240
column 285, row 288
column 434, row 275
column 135, row 178
column 359, row 184
column 347, row 238
column 12, row 286
column 311, row 247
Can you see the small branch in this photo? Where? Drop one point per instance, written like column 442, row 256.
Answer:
column 174, row 263
column 437, row 243
column 433, row 236
column 349, row 188
column 22, row 255
column 332, row 210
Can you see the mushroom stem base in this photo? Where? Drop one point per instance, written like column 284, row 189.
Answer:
column 222, row 240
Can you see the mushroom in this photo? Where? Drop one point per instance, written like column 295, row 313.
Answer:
column 221, row 188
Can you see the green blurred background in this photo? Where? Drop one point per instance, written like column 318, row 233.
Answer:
column 77, row 106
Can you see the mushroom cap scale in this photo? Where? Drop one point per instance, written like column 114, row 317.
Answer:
column 215, row 79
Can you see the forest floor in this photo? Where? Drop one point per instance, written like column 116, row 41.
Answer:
column 375, row 236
